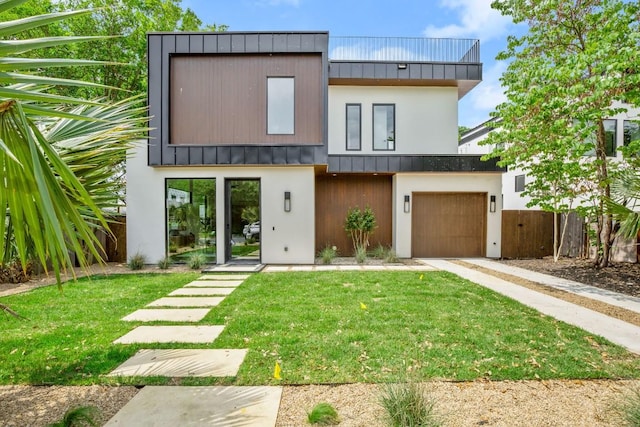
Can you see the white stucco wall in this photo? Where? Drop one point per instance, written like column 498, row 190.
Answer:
column 489, row 183
column 426, row 118
column 295, row 230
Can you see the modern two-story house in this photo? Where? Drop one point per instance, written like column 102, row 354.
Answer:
column 291, row 129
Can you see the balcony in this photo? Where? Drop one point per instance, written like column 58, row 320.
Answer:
column 409, row 49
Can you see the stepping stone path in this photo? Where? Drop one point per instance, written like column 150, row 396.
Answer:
column 156, row 406
column 186, row 406
column 167, row 315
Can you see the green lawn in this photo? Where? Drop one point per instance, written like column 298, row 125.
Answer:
column 210, row 252
column 438, row 327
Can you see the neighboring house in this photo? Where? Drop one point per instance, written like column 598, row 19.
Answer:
column 620, row 131
column 319, row 125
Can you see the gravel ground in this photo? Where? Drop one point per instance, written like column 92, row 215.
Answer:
column 504, row 403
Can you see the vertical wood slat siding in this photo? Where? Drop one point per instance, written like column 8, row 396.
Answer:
column 448, row 224
column 223, row 99
column 527, row 234
column 336, row 195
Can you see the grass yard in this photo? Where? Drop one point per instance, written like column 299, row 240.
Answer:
column 315, row 325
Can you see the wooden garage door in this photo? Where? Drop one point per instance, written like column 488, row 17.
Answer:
column 448, row 225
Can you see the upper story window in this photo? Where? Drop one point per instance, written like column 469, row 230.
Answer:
column 280, row 105
column 631, row 132
column 384, row 126
column 354, row 126
column 609, row 139
column 519, row 183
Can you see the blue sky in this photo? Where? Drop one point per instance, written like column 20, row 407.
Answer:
column 402, row 18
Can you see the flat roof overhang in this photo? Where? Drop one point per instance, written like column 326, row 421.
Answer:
column 464, row 76
column 404, row 163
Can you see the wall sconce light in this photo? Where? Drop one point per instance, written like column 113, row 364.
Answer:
column 407, row 203
column 402, row 66
column 492, row 204
column 287, row 201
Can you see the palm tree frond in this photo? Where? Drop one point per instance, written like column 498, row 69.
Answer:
column 8, row 28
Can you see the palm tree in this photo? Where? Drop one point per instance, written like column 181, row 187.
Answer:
column 624, row 204
column 57, row 153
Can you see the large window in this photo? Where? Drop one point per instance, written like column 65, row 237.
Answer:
column 191, row 219
column 280, row 105
column 631, row 132
column 354, row 127
column 384, row 127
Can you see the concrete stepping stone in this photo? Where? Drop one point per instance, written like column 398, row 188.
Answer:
column 224, row 277
column 196, row 406
column 167, row 334
column 182, row 363
column 186, row 302
column 214, row 284
column 167, row 314
column 201, row 291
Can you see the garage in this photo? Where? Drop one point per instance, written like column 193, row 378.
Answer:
column 448, row 225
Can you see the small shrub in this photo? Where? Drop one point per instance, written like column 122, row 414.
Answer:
column 628, row 408
column 78, row 417
column 359, row 225
column 164, row 263
column 361, row 254
column 137, row 261
column 323, row 414
column 391, row 257
column 379, row 252
column 408, row 404
column 328, row 254
column 196, row 261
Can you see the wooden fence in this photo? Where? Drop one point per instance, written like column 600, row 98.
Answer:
column 527, row 234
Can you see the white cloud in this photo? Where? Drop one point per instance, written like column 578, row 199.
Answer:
column 477, row 20
column 483, row 99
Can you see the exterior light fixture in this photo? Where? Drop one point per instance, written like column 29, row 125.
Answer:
column 407, row 203
column 402, row 66
column 287, row 201
column 492, row 204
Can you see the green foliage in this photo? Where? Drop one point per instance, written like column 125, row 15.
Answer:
column 360, row 224
column 328, row 254
column 627, row 408
column 131, row 20
column 164, row 263
column 196, row 260
column 408, row 404
column 323, row 414
column 78, row 417
column 379, row 252
column 137, row 261
column 624, row 204
column 250, row 214
column 361, row 254
column 58, row 150
column 571, row 71
column 391, row 257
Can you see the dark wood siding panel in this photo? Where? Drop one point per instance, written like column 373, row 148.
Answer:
column 527, row 234
column 448, row 225
column 220, row 100
column 336, row 195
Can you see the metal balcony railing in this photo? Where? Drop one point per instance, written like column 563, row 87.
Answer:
column 410, row 49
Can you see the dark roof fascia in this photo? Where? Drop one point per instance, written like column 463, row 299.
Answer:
column 186, row 33
column 399, row 163
column 482, row 129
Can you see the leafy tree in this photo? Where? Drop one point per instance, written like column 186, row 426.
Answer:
column 574, row 68
column 54, row 151
column 130, row 21
column 360, row 224
column 462, row 130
